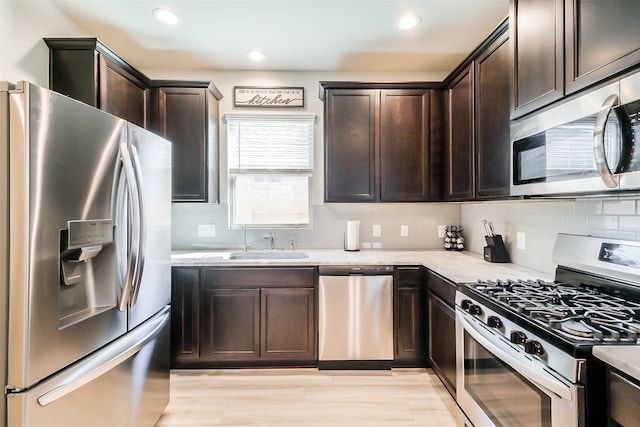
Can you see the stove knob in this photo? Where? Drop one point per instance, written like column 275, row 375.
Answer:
column 494, row 322
column 465, row 304
column 475, row 309
column 533, row 347
column 518, row 337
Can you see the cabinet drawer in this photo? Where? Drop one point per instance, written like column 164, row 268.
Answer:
column 624, row 396
column 409, row 277
column 443, row 288
column 250, row 277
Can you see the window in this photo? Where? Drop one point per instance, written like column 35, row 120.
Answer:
column 270, row 160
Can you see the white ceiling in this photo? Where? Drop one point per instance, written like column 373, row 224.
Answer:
column 347, row 35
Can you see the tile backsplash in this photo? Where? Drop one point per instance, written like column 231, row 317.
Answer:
column 540, row 222
column 329, row 225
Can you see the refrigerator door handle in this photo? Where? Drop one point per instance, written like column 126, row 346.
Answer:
column 142, row 226
column 104, row 363
column 133, row 252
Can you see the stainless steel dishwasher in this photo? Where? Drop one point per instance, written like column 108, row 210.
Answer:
column 356, row 317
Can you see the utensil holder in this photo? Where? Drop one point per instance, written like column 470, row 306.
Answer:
column 495, row 251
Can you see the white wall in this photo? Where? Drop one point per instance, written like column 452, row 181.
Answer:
column 23, row 25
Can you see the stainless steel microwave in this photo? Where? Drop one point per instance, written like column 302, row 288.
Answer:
column 588, row 145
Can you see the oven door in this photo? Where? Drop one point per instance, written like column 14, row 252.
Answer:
column 499, row 385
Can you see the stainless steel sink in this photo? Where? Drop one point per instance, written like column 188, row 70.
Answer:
column 269, row 254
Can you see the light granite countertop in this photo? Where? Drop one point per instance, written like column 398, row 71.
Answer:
column 625, row 358
column 459, row 267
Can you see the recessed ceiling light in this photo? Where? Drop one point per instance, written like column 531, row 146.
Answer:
column 166, row 16
column 409, row 21
column 256, row 55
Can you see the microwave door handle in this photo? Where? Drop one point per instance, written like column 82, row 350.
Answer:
column 537, row 376
column 599, row 154
column 132, row 256
column 142, row 229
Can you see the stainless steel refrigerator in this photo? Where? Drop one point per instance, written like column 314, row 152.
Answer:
column 84, row 264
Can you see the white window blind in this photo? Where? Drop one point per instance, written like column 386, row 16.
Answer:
column 270, row 142
column 270, row 160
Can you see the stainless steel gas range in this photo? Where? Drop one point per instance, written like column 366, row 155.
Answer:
column 524, row 347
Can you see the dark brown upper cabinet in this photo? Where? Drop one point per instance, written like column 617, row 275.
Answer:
column 383, row 143
column 86, row 70
column 351, row 142
column 536, row 33
column 478, row 108
column 186, row 113
column 459, row 153
column 493, row 108
column 602, row 39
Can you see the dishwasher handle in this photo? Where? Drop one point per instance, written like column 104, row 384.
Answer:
column 355, row 270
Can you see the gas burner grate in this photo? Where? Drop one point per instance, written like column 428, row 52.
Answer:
column 572, row 311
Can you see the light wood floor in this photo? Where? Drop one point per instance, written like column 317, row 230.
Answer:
column 309, row 397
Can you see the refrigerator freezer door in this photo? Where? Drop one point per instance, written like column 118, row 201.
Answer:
column 151, row 156
column 62, row 167
column 132, row 371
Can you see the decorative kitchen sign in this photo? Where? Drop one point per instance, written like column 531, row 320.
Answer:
column 268, row 97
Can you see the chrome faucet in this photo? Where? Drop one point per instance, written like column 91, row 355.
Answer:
column 269, row 239
column 245, row 247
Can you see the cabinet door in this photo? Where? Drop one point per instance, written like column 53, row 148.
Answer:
column 536, row 28
column 602, row 39
column 442, row 341
column 185, row 315
column 287, row 322
column 182, row 114
column 409, row 317
column 493, row 89
column 351, row 141
column 121, row 94
column 460, row 164
column 231, row 324
column 404, row 145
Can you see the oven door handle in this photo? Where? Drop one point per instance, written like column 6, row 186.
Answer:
column 538, row 376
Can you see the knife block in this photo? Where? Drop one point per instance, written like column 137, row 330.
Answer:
column 495, row 250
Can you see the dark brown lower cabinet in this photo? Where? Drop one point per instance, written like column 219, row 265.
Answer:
column 231, row 327
column 242, row 317
column 442, row 329
column 287, row 324
column 185, row 312
column 409, row 318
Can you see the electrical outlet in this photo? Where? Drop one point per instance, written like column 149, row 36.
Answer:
column 377, row 231
column 520, row 240
column 441, row 230
column 404, row 231
column 207, row 230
